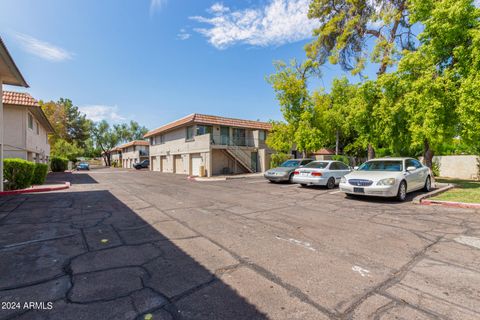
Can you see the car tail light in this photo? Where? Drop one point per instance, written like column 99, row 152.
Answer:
column 296, row 172
column 316, row 174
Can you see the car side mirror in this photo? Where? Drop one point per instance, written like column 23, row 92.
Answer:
column 412, row 168
column 355, row 168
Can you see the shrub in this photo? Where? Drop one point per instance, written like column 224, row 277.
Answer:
column 40, row 173
column 342, row 158
column 58, row 164
column 278, row 158
column 18, row 173
column 436, row 168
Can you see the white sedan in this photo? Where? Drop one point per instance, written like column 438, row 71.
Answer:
column 387, row 177
column 323, row 173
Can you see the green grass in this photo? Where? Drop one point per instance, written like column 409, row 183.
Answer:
column 466, row 191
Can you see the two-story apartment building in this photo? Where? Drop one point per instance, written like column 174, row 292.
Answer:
column 26, row 128
column 133, row 152
column 116, row 156
column 9, row 74
column 214, row 145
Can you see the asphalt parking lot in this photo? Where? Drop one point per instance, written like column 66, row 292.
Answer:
column 120, row 244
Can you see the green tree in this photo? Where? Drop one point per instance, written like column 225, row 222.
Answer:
column 130, row 132
column 77, row 125
column 346, row 26
column 65, row 149
column 430, row 81
column 290, row 83
column 106, row 138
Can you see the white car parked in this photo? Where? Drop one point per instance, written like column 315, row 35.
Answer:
column 323, row 173
column 387, row 177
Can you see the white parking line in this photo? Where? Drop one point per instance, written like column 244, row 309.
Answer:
column 306, row 245
column 289, row 186
column 335, row 192
column 259, row 181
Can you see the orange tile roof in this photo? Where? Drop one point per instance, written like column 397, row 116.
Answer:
column 324, row 151
column 133, row 143
column 19, row 99
column 207, row 119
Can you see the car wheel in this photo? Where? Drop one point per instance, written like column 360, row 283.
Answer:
column 331, row 183
column 290, row 178
column 428, row 184
column 402, row 191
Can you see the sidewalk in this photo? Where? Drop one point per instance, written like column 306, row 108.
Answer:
column 227, row 177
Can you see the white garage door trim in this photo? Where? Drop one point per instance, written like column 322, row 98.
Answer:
column 196, row 163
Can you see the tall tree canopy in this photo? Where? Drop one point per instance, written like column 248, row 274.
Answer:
column 346, row 27
column 429, row 101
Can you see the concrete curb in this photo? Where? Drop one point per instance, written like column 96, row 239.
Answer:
column 452, row 204
column 442, row 188
column 224, row 178
column 65, row 185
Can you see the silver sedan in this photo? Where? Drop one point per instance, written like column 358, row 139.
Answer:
column 388, row 177
column 323, row 173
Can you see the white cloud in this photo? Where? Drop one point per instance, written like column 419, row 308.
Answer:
column 156, row 5
column 183, row 34
column 42, row 49
column 276, row 23
column 477, row 3
column 218, row 8
column 102, row 112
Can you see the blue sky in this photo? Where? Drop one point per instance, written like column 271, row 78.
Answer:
column 157, row 60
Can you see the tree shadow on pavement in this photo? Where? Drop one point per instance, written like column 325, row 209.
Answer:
column 73, row 178
column 92, row 257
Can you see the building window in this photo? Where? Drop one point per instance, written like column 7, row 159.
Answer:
column 30, row 121
column 262, row 135
column 239, row 137
column 159, row 139
column 190, row 133
column 201, row 130
column 37, row 127
column 152, row 141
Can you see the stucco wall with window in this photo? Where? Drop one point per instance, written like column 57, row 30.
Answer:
column 20, row 140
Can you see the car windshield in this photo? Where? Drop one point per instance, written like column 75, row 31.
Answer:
column 383, row 165
column 317, row 165
column 290, row 163
column 83, row 163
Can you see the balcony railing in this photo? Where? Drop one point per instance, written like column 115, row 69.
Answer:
column 236, row 141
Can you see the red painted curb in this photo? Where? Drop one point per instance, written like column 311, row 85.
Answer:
column 31, row 190
column 451, row 204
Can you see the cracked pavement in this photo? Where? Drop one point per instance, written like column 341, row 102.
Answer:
column 120, row 244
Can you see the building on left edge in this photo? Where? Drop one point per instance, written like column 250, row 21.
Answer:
column 9, row 74
column 26, row 128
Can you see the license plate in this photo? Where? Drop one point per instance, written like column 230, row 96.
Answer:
column 304, row 173
column 359, row 190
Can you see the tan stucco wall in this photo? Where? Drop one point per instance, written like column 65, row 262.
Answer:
column 214, row 160
column 21, row 141
column 460, row 167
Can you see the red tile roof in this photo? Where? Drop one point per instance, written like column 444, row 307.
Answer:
column 211, row 120
column 19, row 99
column 324, row 151
column 133, row 143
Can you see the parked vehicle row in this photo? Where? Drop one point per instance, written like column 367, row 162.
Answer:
column 384, row 177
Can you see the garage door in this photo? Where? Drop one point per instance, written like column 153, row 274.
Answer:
column 178, row 164
column 154, row 164
column 196, row 163
column 163, row 161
